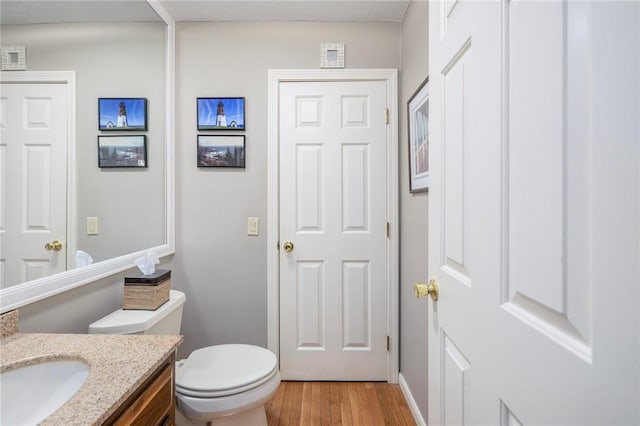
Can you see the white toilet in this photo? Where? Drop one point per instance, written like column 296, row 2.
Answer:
column 222, row 384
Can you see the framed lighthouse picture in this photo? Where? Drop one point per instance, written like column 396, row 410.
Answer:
column 122, row 114
column 221, row 114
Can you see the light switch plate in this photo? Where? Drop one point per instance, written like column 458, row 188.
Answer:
column 252, row 226
column 92, row 226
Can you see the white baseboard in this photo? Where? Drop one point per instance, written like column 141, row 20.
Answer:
column 417, row 416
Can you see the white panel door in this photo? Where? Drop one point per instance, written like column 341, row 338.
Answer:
column 33, row 164
column 333, row 209
column 534, row 213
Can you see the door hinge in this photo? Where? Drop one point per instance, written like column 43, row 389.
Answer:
column 388, row 344
column 388, row 230
column 386, row 116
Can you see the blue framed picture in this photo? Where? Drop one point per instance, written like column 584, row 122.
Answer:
column 221, row 114
column 122, row 114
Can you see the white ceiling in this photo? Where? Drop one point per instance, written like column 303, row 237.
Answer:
column 287, row 10
column 55, row 11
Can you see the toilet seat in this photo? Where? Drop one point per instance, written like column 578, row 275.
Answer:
column 225, row 380
column 207, row 409
column 222, row 370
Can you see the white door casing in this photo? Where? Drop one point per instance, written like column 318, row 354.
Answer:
column 355, row 268
column 33, row 175
column 333, row 284
column 534, row 213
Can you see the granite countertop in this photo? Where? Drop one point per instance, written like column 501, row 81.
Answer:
column 119, row 365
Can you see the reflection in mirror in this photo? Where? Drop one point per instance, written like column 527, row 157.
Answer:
column 60, row 194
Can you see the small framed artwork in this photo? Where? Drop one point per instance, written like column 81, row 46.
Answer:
column 122, row 151
column 221, row 114
column 221, row 151
column 418, row 114
column 122, row 114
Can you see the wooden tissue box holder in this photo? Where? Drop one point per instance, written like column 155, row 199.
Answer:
column 147, row 292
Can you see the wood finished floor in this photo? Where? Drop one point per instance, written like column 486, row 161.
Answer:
column 338, row 403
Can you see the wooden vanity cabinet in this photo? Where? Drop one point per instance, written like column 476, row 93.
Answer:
column 153, row 404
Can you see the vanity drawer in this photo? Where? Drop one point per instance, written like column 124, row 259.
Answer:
column 154, row 405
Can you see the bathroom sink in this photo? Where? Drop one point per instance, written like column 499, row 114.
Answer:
column 30, row 394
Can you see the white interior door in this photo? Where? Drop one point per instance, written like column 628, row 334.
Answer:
column 333, row 209
column 33, row 180
column 534, row 213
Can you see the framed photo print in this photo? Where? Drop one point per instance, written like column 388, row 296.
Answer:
column 221, row 114
column 122, row 151
column 418, row 113
column 122, row 114
column 221, row 151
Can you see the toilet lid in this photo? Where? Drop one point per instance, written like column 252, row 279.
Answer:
column 224, row 370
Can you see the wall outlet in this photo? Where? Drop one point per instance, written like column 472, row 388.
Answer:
column 252, row 226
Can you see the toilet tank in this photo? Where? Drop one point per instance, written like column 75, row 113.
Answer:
column 164, row 320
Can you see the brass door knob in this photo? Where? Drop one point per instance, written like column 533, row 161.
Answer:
column 55, row 245
column 430, row 289
column 288, row 246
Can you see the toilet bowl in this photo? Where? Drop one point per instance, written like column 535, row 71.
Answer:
column 224, row 385
column 233, row 381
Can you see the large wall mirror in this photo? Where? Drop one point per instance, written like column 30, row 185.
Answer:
column 57, row 204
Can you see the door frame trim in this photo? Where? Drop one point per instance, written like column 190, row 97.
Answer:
column 275, row 77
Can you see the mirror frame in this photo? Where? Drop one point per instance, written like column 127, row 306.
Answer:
column 33, row 291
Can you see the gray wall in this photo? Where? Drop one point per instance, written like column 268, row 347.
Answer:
column 413, row 214
column 110, row 60
column 222, row 270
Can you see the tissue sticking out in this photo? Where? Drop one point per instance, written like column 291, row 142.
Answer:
column 147, row 263
column 83, row 258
